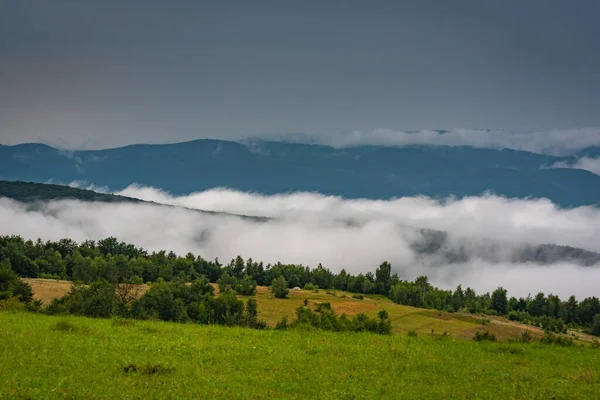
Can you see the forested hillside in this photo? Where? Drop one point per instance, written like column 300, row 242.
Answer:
column 110, row 262
column 31, row 192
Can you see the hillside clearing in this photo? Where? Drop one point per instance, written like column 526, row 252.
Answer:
column 404, row 318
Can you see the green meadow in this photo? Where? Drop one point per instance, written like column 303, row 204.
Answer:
column 44, row 357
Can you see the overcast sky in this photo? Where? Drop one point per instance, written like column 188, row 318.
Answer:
column 103, row 73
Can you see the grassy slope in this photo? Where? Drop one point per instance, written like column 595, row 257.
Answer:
column 39, row 361
column 404, row 318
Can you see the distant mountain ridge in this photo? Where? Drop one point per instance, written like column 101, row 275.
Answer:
column 374, row 172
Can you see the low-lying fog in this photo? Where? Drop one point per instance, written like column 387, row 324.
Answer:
column 310, row 229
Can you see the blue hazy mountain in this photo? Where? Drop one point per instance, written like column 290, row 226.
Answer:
column 268, row 167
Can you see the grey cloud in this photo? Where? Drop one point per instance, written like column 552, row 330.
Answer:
column 591, row 164
column 558, row 142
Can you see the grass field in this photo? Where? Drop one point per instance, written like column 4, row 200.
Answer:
column 44, row 357
column 404, row 318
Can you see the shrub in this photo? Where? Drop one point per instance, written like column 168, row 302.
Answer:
column 310, row 286
column 321, row 307
column 283, row 324
column 358, row 296
column 246, row 286
column 98, row 300
column 122, row 322
column 64, row 326
column 550, row 338
column 525, row 337
column 484, row 336
column 11, row 304
column 227, row 283
column 596, row 325
column 252, row 320
column 12, row 286
column 45, row 275
column 516, row 316
column 446, row 335
column 412, row 333
column 279, row 287
column 384, row 326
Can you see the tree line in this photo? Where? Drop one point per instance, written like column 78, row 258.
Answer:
column 118, row 262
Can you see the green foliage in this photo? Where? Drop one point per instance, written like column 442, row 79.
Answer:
column 550, row 338
column 227, row 283
column 64, row 326
column 11, row 286
column 325, row 318
column 246, row 286
column 283, row 324
column 499, row 301
column 97, row 300
column 11, row 304
column 484, row 336
column 596, row 325
column 525, row 337
column 119, row 263
column 251, row 315
column 279, row 287
column 358, row 296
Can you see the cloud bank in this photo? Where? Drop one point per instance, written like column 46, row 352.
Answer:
column 353, row 234
column 492, row 217
column 588, row 163
column 558, row 142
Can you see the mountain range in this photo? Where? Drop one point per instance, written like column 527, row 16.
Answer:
column 269, row 167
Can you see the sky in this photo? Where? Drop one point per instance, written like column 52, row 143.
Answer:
column 97, row 74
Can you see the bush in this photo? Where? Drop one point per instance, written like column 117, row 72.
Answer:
column 412, row 333
column 484, row 336
column 64, row 326
column 358, row 296
column 252, row 320
column 310, row 286
column 516, row 316
column 12, row 286
column 283, row 324
column 279, row 287
column 525, row 337
column 45, row 275
column 11, row 304
column 596, row 325
column 550, row 338
column 246, row 286
column 384, row 326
